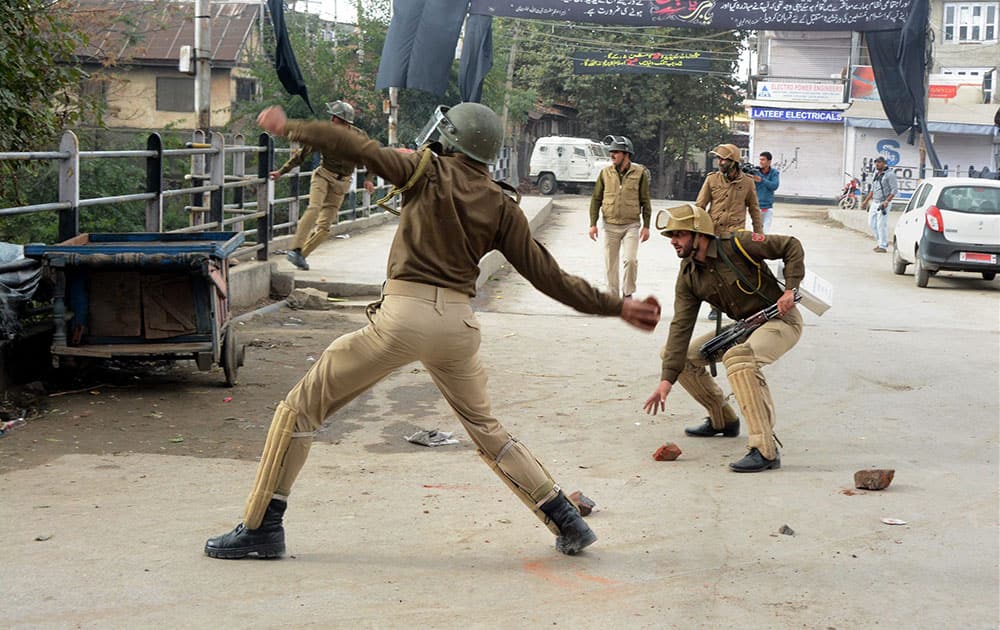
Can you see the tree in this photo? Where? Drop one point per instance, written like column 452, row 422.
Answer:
column 667, row 116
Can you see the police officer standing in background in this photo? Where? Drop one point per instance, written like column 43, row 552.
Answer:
column 622, row 194
column 729, row 273
column 767, row 181
column 728, row 195
column 452, row 214
column 330, row 183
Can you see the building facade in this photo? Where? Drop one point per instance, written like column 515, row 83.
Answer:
column 814, row 104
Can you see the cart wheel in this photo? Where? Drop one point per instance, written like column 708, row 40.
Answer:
column 231, row 359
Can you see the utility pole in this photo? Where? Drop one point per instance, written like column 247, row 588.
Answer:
column 203, row 64
column 509, row 87
column 510, row 81
column 393, row 109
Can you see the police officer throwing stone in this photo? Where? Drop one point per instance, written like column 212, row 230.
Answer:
column 729, row 273
column 452, row 214
column 621, row 193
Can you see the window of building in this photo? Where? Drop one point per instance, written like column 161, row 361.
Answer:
column 174, row 94
column 970, row 21
column 984, row 76
column 246, row 89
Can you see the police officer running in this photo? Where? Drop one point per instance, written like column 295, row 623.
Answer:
column 330, row 183
column 729, row 273
column 621, row 193
column 452, row 214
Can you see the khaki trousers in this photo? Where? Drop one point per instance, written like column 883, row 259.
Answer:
column 768, row 343
column 623, row 239
column 415, row 322
column 326, row 195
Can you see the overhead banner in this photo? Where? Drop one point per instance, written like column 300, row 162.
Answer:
column 786, row 15
column 588, row 62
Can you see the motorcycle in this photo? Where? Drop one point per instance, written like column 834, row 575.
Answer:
column 850, row 195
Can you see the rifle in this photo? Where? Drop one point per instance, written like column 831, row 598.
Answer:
column 713, row 349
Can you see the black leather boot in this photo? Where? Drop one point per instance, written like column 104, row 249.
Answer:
column 574, row 533
column 705, row 429
column 267, row 541
column 755, row 462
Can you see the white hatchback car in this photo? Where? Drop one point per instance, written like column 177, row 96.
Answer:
column 949, row 224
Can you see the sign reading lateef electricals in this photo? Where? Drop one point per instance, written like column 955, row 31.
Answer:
column 797, row 115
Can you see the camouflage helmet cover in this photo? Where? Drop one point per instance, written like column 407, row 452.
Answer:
column 341, row 110
column 727, row 152
column 687, row 217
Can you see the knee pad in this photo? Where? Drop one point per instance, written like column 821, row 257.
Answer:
column 751, row 393
column 515, row 465
column 279, row 438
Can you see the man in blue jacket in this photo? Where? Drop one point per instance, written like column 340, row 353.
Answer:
column 766, row 183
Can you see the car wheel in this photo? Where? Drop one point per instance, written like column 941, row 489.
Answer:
column 989, row 275
column 547, row 184
column 898, row 264
column 920, row 273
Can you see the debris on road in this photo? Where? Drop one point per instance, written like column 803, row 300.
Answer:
column 893, row 521
column 432, row 438
column 309, row 299
column 667, row 453
column 786, row 530
column 873, row 478
column 582, row 503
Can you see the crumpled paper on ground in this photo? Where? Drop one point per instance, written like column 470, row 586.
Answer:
column 432, row 438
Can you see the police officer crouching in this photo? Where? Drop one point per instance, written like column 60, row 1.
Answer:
column 728, row 272
column 452, row 214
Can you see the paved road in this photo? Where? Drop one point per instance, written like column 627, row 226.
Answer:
column 386, row 535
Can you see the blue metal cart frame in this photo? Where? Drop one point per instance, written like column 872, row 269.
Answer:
column 144, row 296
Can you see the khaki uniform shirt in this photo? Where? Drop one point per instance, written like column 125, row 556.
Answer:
column 451, row 217
column 332, row 162
column 713, row 281
column 728, row 201
column 624, row 197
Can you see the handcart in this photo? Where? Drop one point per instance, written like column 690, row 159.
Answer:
column 143, row 296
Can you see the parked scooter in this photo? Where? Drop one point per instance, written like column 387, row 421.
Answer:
column 850, row 195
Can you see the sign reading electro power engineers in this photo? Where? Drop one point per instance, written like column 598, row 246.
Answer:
column 797, row 115
column 585, row 62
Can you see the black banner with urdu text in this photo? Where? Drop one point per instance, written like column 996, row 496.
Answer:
column 785, row 15
column 587, row 62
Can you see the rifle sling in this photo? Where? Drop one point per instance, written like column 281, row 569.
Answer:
column 740, row 277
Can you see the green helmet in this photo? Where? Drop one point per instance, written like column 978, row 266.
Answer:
column 470, row 128
column 341, row 110
column 688, row 217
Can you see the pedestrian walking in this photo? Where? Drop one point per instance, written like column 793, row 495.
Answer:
column 884, row 188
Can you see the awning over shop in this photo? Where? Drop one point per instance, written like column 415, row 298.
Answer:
column 968, row 119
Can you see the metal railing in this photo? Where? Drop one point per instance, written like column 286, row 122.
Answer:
column 210, row 182
column 217, row 168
